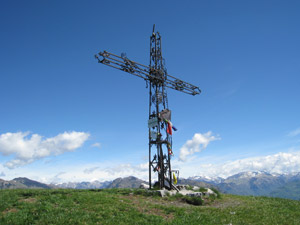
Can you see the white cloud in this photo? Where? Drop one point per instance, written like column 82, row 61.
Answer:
column 96, row 145
column 294, row 133
column 197, row 144
column 128, row 169
column 280, row 163
column 91, row 170
column 27, row 148
column 99, row 172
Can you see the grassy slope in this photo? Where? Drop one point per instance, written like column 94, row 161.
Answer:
column 291, row 191
column 120, row 206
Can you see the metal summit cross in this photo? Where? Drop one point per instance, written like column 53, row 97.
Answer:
column 159, row 123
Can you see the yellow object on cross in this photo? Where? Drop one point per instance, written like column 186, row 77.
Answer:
column 174, row 178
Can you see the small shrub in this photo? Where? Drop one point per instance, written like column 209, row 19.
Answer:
column 95, row 190
column 189, row 187
column 28, row 194
column 146, row 193
column 212, row 198
column 202, row 189
column 177, row 196
column 156, row 186
column 124, row 191
column 193, row 200
column 217, row 193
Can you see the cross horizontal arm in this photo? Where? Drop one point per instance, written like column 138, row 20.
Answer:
column 145, row 72
column 124, row 64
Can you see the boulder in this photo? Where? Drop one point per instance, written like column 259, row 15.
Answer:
column 196, row 188
column 209, row 192
column 144, row 186
column 195, row 194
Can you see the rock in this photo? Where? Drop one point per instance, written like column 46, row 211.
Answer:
column 185, row 190
column 182, row 187
column 209, row 192
column 195, row 194
column 196, row 188
column 164, row 192
column 144, row 186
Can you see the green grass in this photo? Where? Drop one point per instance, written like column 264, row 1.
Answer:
column 134, row 206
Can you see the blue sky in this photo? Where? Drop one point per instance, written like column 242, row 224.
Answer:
column 64, row 117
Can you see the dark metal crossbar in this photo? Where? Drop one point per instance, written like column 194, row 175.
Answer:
column 145, row 72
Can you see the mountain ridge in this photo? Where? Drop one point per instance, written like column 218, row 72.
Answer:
column 23, row 183
column 258, row 183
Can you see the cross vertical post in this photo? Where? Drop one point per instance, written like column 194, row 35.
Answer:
column 159, row 120
column 159, row 139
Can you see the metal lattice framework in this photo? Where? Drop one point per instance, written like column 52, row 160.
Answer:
column 160, row 139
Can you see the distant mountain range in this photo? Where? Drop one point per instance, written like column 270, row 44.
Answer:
column 246, row 183
column 84, row 185
column 258, row 183
column 127, row 182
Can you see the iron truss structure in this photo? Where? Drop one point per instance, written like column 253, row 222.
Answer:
column 159, row 123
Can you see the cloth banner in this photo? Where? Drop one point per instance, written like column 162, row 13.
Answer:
column 165, row 114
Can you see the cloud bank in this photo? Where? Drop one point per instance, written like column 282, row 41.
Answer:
column 26, row 148
column 100, row 172
column 279, row 163
column 197, row 144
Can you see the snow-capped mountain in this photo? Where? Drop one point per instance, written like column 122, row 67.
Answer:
column 84, row 185
column 257, row 183
column 210, row 180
